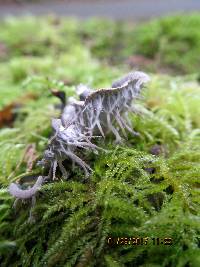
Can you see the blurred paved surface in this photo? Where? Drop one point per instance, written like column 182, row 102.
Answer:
column 117, row 9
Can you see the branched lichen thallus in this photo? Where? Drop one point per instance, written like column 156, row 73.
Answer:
column 96, row 114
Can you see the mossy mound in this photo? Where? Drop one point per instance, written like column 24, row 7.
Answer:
column 131, row 193
column 172, row 42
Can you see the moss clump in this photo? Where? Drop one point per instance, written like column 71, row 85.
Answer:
column 172, row 41
column 74, row 219
column 131, row 192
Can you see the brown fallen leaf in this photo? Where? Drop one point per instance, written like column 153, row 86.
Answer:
column 7, row 115
column 30, row 156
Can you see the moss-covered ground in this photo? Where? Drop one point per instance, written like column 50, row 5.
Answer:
column 131, row 192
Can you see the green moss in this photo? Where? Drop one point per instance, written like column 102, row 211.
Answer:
column 121, row 198
column 131, row 193
column 74, row 220
column 172, row 41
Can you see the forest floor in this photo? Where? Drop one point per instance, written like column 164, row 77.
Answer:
column 145, row 189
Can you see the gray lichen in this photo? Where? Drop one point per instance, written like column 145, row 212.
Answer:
column 96, row 113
